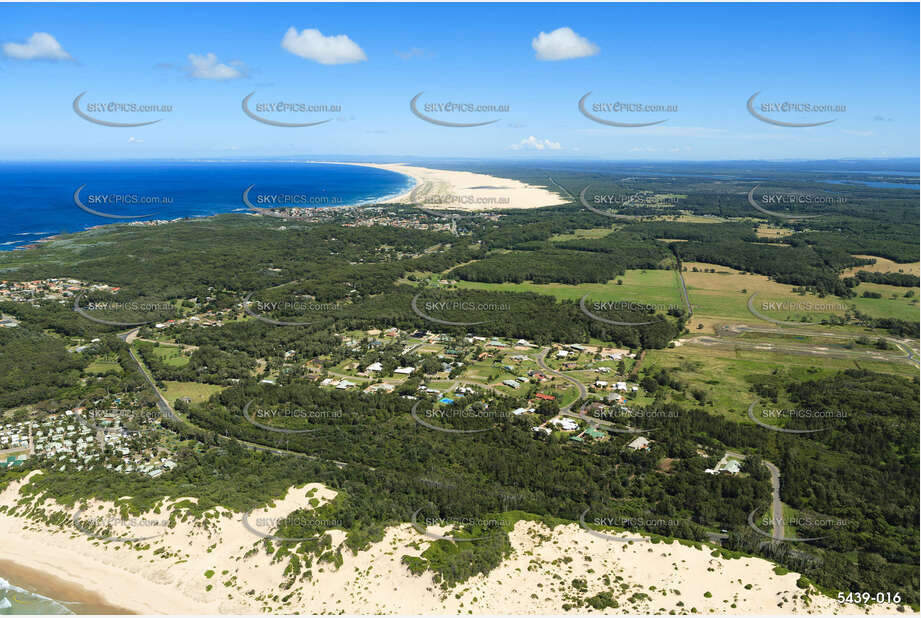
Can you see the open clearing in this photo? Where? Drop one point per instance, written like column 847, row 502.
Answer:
column 724, row 294
column 726, row 374
column 195, row 391
column 641, row 286
column 884, row 266
column 171, row 356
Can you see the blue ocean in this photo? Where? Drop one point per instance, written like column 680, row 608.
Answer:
column 41, row 199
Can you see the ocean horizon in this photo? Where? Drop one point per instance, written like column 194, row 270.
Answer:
column 44, row 199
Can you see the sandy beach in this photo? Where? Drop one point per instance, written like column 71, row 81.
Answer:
column 212, row 568
column 465, row 191
column 74, row 596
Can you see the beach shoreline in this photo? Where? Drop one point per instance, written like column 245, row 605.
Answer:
column 216, row 571
column 70, row 594
column 432, row 188
column 460, row 190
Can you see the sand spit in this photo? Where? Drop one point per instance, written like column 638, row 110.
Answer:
column 466, row 191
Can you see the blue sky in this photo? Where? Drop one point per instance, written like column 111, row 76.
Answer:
column 705, row 59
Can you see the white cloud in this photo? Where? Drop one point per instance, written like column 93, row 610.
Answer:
column 134, row 140
column 311, row 44
column 40, row 46
column 562, row 44
column 208, row 67
column 532, row 143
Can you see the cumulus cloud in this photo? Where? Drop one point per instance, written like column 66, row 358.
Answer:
column 208, row 67
column 532, row 143
column 40, row 46
column 312, row 45
column 134, row 140
column 562, row 44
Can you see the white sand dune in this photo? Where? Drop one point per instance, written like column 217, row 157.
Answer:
column 212, row 569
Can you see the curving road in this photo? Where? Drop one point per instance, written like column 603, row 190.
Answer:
column 777, row 528
column 910, row 355
column 776, row 504
column 540, row 359
column 167, row 411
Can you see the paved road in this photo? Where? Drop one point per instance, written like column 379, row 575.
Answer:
column 168, row 412
column 776, row 505
column 540, row 358
column 184, row 346
column 165, row 409
column 684, row 289
column 792, row 348
column 910, row 355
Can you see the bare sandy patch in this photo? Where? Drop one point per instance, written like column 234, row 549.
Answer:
column 214, row 565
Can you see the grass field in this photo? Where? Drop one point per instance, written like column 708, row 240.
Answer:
column 883, row 265
column 193, row 390
column 641, row 286
column 769, row 231
column 171, row 355
column 893, row 303
column 596, row 232
column 724, row 294
column 104, row 365
column 726, row 374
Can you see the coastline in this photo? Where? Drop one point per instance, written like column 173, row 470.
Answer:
column 377, row 581
column 432, row 188
column 70, row 594
column 463, row 191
